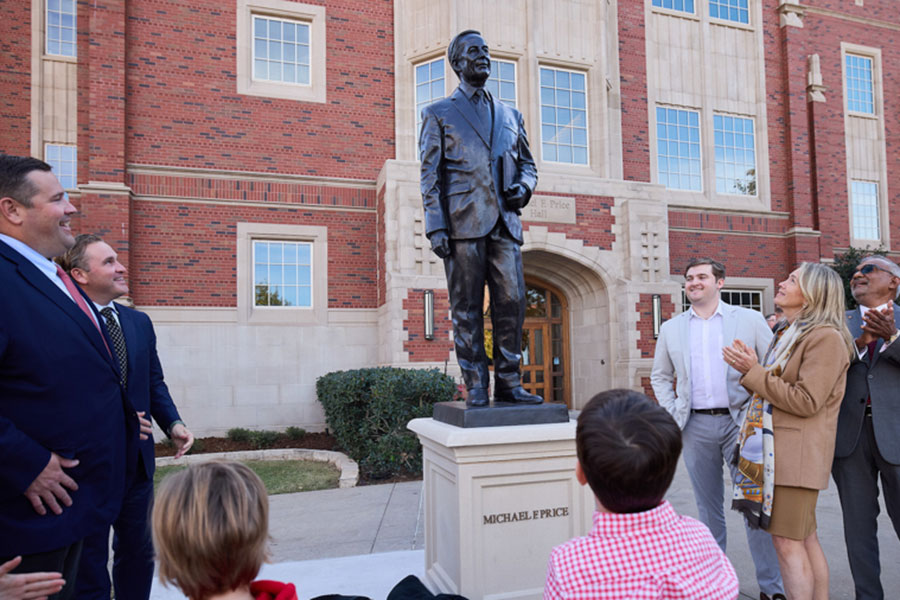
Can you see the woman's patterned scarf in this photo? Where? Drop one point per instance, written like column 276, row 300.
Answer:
column 755, row 452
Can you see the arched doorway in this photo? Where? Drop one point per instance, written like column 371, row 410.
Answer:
column 545, row 341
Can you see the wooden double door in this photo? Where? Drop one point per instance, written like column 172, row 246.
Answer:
column 545, row 343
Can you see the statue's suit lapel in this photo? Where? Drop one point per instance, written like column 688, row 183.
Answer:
column 462, row 104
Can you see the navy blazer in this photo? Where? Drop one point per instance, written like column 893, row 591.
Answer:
column 60, row 392
column 462, row 178
column 146, row 387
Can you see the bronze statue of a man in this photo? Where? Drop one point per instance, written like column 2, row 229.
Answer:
column 477, row 174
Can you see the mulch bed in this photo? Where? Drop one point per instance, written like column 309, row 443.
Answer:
column 206, row 445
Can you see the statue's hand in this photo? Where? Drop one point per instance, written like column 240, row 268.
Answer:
column 517, row 196
column 440, row 243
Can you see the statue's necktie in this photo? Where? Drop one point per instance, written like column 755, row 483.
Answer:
column 118, row 340
column 483, row 108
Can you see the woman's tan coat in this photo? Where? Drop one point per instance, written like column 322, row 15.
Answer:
column 805, row 402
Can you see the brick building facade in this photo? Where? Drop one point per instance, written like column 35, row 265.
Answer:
column 254, row 162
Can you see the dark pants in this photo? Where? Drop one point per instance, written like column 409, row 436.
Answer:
column 496, row 260
column 62, row 560
column 856, row 477
column 132, row 574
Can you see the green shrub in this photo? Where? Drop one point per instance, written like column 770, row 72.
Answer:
column 295, row 433
column 239, row 434
column 264, row 438
column 367, row 411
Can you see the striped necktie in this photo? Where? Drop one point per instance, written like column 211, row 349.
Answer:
column 118, row 340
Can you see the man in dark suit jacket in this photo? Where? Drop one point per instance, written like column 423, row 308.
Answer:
column 66, row 428
column 868, row 434
column 94, row 265
column 477, row 174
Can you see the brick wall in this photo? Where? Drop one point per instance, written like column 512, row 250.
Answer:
column 644, row 307
column 420, row 349
column 826, row 33
column 15, row 77
column 594, row 221
column 183, row 107
column 633, row 81
column 743, row 255
column 183, row 254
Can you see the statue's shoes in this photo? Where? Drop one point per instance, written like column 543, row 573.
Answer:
column 517, row 395
column 477, row 397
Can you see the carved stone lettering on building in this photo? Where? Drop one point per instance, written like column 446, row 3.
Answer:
column 550, row 209
column 525, row 515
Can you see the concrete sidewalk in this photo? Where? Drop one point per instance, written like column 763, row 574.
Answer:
column 364, row 540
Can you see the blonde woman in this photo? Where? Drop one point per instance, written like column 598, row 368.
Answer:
column 797, row 393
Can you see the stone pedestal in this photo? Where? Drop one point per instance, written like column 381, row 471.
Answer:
column 497, row 500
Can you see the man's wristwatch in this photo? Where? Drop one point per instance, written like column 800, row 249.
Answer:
column 172, row 426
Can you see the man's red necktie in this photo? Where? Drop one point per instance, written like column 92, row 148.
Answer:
column 79, row 300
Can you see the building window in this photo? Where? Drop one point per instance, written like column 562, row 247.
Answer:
column 429, row 87
column 678, row 148
column 502, row 82
column 680, row 5
column 751, row 299
column 735, row 155
column 282, row 273
column 860, row 89
column 63, row 159
column 563, row 116
column 864, row 209
column 61, row 25
column 280, row 50
column 730, row 10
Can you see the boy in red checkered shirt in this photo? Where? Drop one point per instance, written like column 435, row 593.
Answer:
column 639, row 547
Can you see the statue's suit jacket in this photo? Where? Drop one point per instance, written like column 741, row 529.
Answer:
column 672, row 360
column 59, row 392
column 462, row 179
column 881, row 381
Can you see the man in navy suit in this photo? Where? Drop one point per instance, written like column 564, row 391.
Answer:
column 477, row 175
column 66, row 429
column 94, row 265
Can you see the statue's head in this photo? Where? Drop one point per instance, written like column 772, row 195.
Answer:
column 470, row 57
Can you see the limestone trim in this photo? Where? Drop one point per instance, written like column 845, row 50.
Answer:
column 247, row 312
column 700, row 230
column 769, row 214
column 866, row 145
column 309, row 14
column 791, row 13
column 826, row 12
column 105, row 187
column 211, row 202
column 731, row 83
column 174, row 171
column 814, row 88
column 53, row 89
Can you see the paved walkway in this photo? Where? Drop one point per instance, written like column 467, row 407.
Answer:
column 364, row 540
